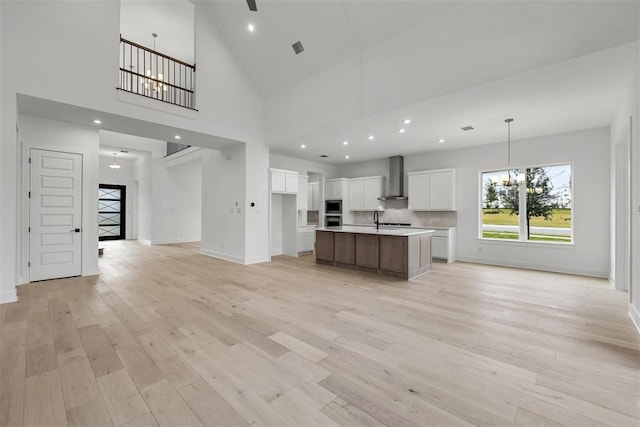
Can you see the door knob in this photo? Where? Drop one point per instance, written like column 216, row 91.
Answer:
column 77, row 230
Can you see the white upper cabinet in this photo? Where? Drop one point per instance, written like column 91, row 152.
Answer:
column 303, row 192
column 313, row 202
column 336, row 188
column 284, row 181
column 432, row 190
column 364, row 193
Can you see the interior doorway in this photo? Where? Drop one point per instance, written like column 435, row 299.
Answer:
column 112, row 200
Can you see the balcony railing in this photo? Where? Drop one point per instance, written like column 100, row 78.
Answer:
column 149, row 73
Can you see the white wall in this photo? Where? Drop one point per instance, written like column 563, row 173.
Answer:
column 277, row 223
column 172, row 21
column 176, row 194
column 223, row 201
column 126, row 176
column 257, row 192
column 303, row 166
column 627, row 212
column 46, row 134
column 143, row 178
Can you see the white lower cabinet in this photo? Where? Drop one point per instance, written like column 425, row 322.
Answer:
column 306, row 242
column 443, row 244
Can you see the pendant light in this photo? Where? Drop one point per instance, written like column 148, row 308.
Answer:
column 114, row 165
column 506, row 178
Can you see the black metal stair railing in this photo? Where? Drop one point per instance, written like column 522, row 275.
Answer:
column 149, row 73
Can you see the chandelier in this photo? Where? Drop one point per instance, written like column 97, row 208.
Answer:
column 114, row 165
column 154, row 78
column 505, row 179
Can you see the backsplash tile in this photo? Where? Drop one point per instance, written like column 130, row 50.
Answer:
column 416, row 219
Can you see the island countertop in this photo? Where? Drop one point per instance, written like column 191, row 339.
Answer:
column 384, row 231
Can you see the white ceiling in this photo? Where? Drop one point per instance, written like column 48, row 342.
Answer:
column 554, row 66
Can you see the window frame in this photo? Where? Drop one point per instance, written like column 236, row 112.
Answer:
column 522, row 223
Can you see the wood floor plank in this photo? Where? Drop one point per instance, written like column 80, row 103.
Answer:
column 78, row 382
column 300, row 347
column 65, row 334
column 43, row 403
column 100, row 353
column 177, row 372
column 13, row 337
column 209, row 406
column 346, row 414
column 124, row 402
column 167, row 406
column 91, row 413
column 141, row 367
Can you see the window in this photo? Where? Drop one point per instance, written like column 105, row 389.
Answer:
column 543, row 193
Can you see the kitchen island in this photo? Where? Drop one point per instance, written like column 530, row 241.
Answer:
column 399, row 252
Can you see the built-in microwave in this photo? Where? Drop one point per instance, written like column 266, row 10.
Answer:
column 333, row 221
column 333, row 207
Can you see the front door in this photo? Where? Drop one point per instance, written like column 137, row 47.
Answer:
column 55, row 215
column 112, row 201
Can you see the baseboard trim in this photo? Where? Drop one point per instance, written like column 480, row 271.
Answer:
column 174, row 241
column 257, row 260
column 635, row 316
column 551, row 268
column 145, row 242
column 222, row 256
column 6, row 297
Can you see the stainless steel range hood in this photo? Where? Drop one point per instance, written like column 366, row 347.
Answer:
column 396, row 179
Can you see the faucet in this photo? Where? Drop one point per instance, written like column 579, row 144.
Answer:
column 375, row 219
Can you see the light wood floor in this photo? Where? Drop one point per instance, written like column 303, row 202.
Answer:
column 168, row 337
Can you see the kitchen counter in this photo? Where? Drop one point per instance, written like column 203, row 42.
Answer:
column 394, row 251
column 387, row 231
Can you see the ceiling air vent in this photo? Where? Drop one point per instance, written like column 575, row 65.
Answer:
column 297, row 47
column 323, row 156
column 466, row 128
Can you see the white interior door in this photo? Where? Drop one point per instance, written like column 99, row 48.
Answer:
column 55, row 215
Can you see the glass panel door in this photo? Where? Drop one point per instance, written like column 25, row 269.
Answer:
column 111, row 212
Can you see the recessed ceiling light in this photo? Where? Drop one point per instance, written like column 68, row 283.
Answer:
column 251, row 28
column 401, row 130
column 303, row 146
column 345, row 142
column 177, row 137
column 98, row 122
column 440, row 141
column 406, row 121
column 346, row 157
column 370, row 137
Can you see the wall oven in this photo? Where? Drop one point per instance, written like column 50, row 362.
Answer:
column 333, row 207
column 333, row 221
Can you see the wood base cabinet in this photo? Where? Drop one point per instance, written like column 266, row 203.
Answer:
column 324, row 246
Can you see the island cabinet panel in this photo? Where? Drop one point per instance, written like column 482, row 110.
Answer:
column 367, row 251
column 324, row 246
column 393, row 254
column 419, row 260
column 344, row 246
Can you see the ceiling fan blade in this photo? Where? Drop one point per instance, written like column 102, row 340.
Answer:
column 252, row 5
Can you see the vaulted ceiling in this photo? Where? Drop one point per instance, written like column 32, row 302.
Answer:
column 553, row 65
